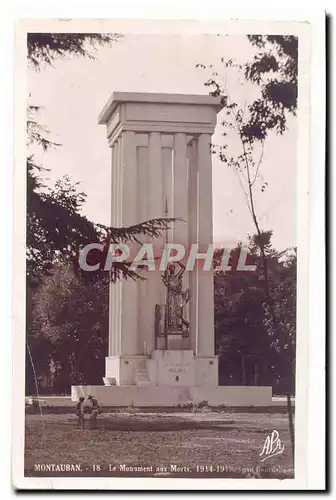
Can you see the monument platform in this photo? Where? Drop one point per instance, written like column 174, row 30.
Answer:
column 172, row 368
column 169, row 396
column 169, row 378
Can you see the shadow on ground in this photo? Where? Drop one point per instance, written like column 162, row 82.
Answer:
column 66, row 410
column 133, row 424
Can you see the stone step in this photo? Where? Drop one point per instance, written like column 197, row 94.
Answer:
column 142, row 379
column 142, row 376
column 142, row 371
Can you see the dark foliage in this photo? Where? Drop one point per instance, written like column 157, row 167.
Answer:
column 275, row 69
column 45, row 48
column 56, row 229
column 251, row 350
column 67, row 311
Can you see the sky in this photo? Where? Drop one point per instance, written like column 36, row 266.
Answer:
column 73, row 92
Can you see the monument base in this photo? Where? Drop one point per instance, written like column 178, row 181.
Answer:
column 169, row 378
column 162, row 368
column 169, row 396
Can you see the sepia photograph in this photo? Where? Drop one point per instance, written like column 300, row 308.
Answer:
column 165, row 216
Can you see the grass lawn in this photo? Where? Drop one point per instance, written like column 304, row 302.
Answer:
column 178, row 444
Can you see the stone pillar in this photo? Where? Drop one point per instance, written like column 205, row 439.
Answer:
column 116, row 220
column 206, row 339
column 167, row 167
column 155, row 287
column 155, row 199
column 119, row 193
column 193, row 238
column 115, row 291
column 142, row 285
column 180, row 189
column 181, row 232
column 112, row 286
column 129, row 341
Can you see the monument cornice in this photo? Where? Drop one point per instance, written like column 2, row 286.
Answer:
column 118, row 98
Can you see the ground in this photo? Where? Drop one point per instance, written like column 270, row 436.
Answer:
column 169, row 444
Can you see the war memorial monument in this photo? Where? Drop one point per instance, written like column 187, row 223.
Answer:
column 161, row 329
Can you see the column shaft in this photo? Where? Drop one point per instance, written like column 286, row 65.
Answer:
column 156, row 202
column 205, row 278
column 168, row 195
column 129, row 341
column 112, row 287
column 144, row 320
column 193, row 238
column 156, row 209
column 180, row 188
column 119, row 203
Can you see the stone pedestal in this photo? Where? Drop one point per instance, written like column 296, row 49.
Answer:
column 177, row 368
column 124, row 368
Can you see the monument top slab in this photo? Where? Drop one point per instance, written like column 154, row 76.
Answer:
column 118, row 98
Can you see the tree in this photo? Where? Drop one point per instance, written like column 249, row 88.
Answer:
column 251, row 351
column 55, row 226
column 56, row 229
column 274, row 70
column 45, row 48
column 283, row 337
column 69, row 328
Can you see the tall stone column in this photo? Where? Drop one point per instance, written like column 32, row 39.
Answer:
column 119, row 212
column 167, row 167
column 155, row 288
column 206, row 332
column 129, row 341
column 181, row 189
column 181, row 232
column 116, row 214
column 142, row 285
column 112, row 286
column 193, row 238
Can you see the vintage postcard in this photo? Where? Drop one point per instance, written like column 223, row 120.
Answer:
column 162, row 182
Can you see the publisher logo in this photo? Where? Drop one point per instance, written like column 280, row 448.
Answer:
column 272, row 446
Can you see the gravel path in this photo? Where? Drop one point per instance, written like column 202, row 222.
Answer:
column 200, row 444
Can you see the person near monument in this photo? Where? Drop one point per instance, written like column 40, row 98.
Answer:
column 94, row 411
column 80, row 413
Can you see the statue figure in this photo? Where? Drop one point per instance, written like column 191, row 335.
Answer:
column 170, row 318
column 177, row 299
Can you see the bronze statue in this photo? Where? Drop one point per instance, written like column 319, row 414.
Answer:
column 171, row 318
column 177, row 299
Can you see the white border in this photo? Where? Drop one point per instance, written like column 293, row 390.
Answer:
column 317, row 267
column 316, row 24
